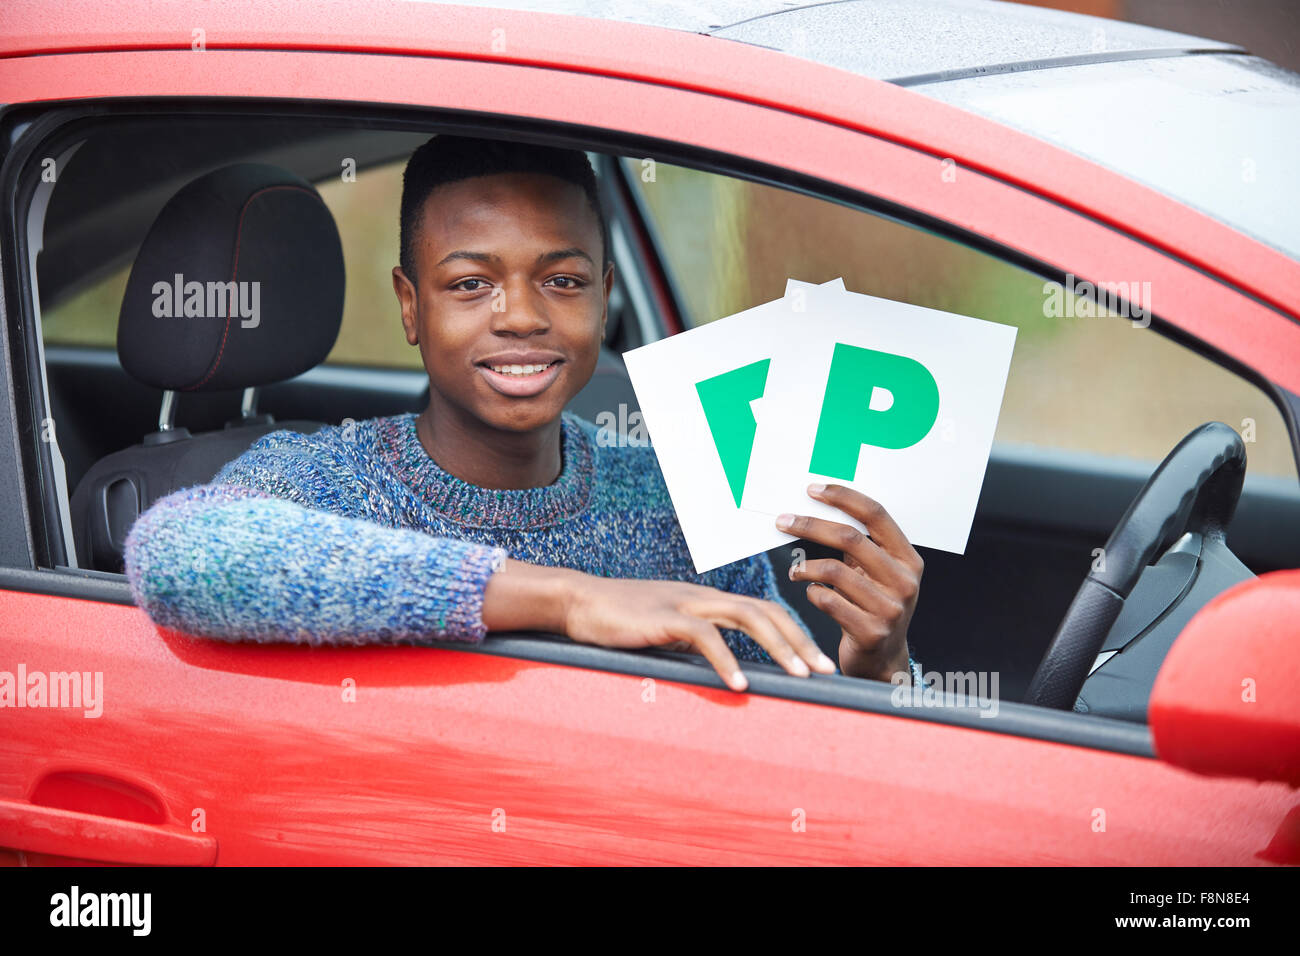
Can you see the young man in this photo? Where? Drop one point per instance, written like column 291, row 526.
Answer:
column 495, row 509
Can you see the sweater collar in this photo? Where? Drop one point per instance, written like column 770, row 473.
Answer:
column 473, row 506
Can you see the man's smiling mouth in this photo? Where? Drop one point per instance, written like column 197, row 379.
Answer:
column 521, row 369
column 521, row 374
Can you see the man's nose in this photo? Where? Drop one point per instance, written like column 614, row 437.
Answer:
column 519, row 309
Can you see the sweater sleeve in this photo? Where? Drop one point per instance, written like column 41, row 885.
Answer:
column 233, row 561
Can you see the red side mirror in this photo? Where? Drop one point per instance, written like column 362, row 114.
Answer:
column 1227, row 699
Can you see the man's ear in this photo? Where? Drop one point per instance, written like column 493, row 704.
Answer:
column 408, row 299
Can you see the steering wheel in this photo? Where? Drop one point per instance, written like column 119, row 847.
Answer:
column 1194, row 489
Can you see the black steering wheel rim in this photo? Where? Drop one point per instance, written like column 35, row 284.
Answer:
column 1196, row 489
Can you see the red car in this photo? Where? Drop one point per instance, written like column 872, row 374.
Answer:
column 1128, row 205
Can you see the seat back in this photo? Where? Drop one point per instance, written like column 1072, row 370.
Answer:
column 238, row 284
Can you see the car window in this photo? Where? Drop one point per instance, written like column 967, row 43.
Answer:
column 88, row 317
column 1080, row 382
column 1083, row 378
column 365, row 204
column 365, row 208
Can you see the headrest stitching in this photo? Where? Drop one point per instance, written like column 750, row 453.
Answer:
column 234, row 274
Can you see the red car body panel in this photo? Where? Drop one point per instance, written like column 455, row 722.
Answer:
column 583, row 768
column 1242, row 665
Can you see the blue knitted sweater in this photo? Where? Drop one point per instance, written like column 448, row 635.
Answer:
column 354, row 535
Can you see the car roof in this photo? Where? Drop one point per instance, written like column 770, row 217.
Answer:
column 1199, row 120
column 911, row 39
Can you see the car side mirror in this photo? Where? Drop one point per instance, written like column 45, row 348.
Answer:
column 1227, row 699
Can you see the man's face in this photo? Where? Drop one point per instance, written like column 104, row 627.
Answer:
column 509, row 312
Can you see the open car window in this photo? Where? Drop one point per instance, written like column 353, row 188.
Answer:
column 1084, row 377
column 1093, row 401
column 364, row 202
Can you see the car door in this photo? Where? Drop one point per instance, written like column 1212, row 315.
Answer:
column 530, row 750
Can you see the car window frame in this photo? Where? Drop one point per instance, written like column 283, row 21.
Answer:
column 873, row 697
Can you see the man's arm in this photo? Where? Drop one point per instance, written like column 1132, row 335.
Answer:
column 256, row 555
column 280, row 547
column 234, row 563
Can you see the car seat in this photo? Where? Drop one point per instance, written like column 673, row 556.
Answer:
column 238, row 284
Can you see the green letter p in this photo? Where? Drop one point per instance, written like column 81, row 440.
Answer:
column 847, row 420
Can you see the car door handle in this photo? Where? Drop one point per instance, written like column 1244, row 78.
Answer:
column 87, row 836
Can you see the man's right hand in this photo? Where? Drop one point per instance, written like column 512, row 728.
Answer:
column 628, row 613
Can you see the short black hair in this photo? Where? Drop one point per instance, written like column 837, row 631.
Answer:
column 448, row 159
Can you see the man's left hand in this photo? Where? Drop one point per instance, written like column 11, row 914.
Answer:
column 871, row 590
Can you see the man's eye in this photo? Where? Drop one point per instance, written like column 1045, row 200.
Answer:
column 567, row 282
column 469, row 285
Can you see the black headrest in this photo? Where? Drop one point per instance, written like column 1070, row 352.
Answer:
column 239, row 283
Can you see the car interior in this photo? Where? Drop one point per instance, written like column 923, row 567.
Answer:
column 167, row 408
